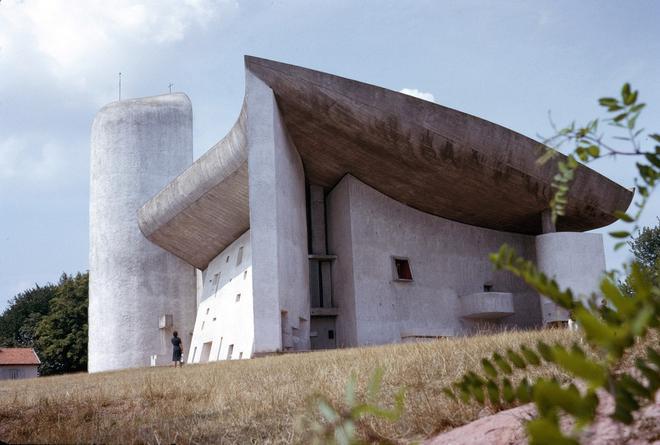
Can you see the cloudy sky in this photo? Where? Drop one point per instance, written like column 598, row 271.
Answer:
column 508, row 62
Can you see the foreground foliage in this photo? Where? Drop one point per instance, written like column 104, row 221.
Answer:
column 610, row 329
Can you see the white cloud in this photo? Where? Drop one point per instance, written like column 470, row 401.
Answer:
column 30, row 161
column 418, row 94
column 70, row 36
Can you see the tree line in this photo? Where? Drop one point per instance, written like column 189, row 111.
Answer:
column 52, row 319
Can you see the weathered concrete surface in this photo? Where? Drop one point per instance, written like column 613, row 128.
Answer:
column 575, row 260
column 278, row 226
column 427, row 156
column 366, row 229
column 487, row 305
column 137, row 147
column 202, row 211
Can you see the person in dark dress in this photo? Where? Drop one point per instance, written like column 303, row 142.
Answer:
column 177, row 349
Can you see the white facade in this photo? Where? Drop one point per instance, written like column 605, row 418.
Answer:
column 224, row 328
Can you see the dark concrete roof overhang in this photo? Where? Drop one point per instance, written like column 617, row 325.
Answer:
column 435, row 159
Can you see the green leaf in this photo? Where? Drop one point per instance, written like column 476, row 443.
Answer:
column 502, row 364
column 655, row 136
column 580, row 366
column 625, row 91
column 620, row 234
column 607, row 101
column 594, row 151
column 545, row 351
column 508, row 393
column 620, row 117
column 530, row 355
column 516, row 359
column 653, row 159
column 449, row 393
column 543, row 431
column 489, row 368
column 623, row 216
column 493, row 392
column 328, row 411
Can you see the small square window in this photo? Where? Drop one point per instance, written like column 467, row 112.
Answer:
column 331, row 334
column 402, row 271
column 238, row 298
column 488, row 287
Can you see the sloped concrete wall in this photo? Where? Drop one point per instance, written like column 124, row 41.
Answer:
column 448, row 260
column 137, row 147
column 223, row 317
column 278, row 226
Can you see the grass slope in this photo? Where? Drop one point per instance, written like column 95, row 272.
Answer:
column 248, row 401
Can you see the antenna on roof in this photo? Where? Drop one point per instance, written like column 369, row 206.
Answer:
column 120, row 85
column 170, row 86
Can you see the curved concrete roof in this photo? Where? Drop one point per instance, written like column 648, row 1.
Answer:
column 430, row 157
column 204, row 209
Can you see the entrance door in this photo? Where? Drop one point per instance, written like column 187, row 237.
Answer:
column 323, row 334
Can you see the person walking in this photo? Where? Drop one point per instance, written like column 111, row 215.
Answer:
column 177, row 349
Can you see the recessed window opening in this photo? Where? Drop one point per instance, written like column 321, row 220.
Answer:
column 207, row 310
column 239, row 257
column 331, row 334
column 202, row 328
column 220, row 348
column 227, row 260
column 216, row 279
column 240, row 355
column 245, row 275
column 194, row 354
column 230, row 351
column 238, row 298
column 402, row 269
column 488, row 287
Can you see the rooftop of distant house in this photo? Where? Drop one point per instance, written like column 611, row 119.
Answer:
column 18, row 356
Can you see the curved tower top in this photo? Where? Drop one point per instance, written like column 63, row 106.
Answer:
column 137, row 147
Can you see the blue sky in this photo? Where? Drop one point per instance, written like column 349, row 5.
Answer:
column 508, row 62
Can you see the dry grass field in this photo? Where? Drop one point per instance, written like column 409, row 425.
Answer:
column 248, row 401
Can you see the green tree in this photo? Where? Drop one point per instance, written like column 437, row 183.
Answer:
column 18, row 322
column 61, row 336
column 646, row 249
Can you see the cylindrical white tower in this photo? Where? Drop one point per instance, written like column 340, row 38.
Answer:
column 575, row 260
column 138, row 292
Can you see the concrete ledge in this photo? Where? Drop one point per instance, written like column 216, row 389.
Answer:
column 487, row 305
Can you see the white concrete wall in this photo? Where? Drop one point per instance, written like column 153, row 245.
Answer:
column 137, row 147
column 448, row 260
column 278, row 226
column 221, row 319
column 576, row 260
column 18, row 372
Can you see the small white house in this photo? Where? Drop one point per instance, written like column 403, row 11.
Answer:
column 18, row 363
